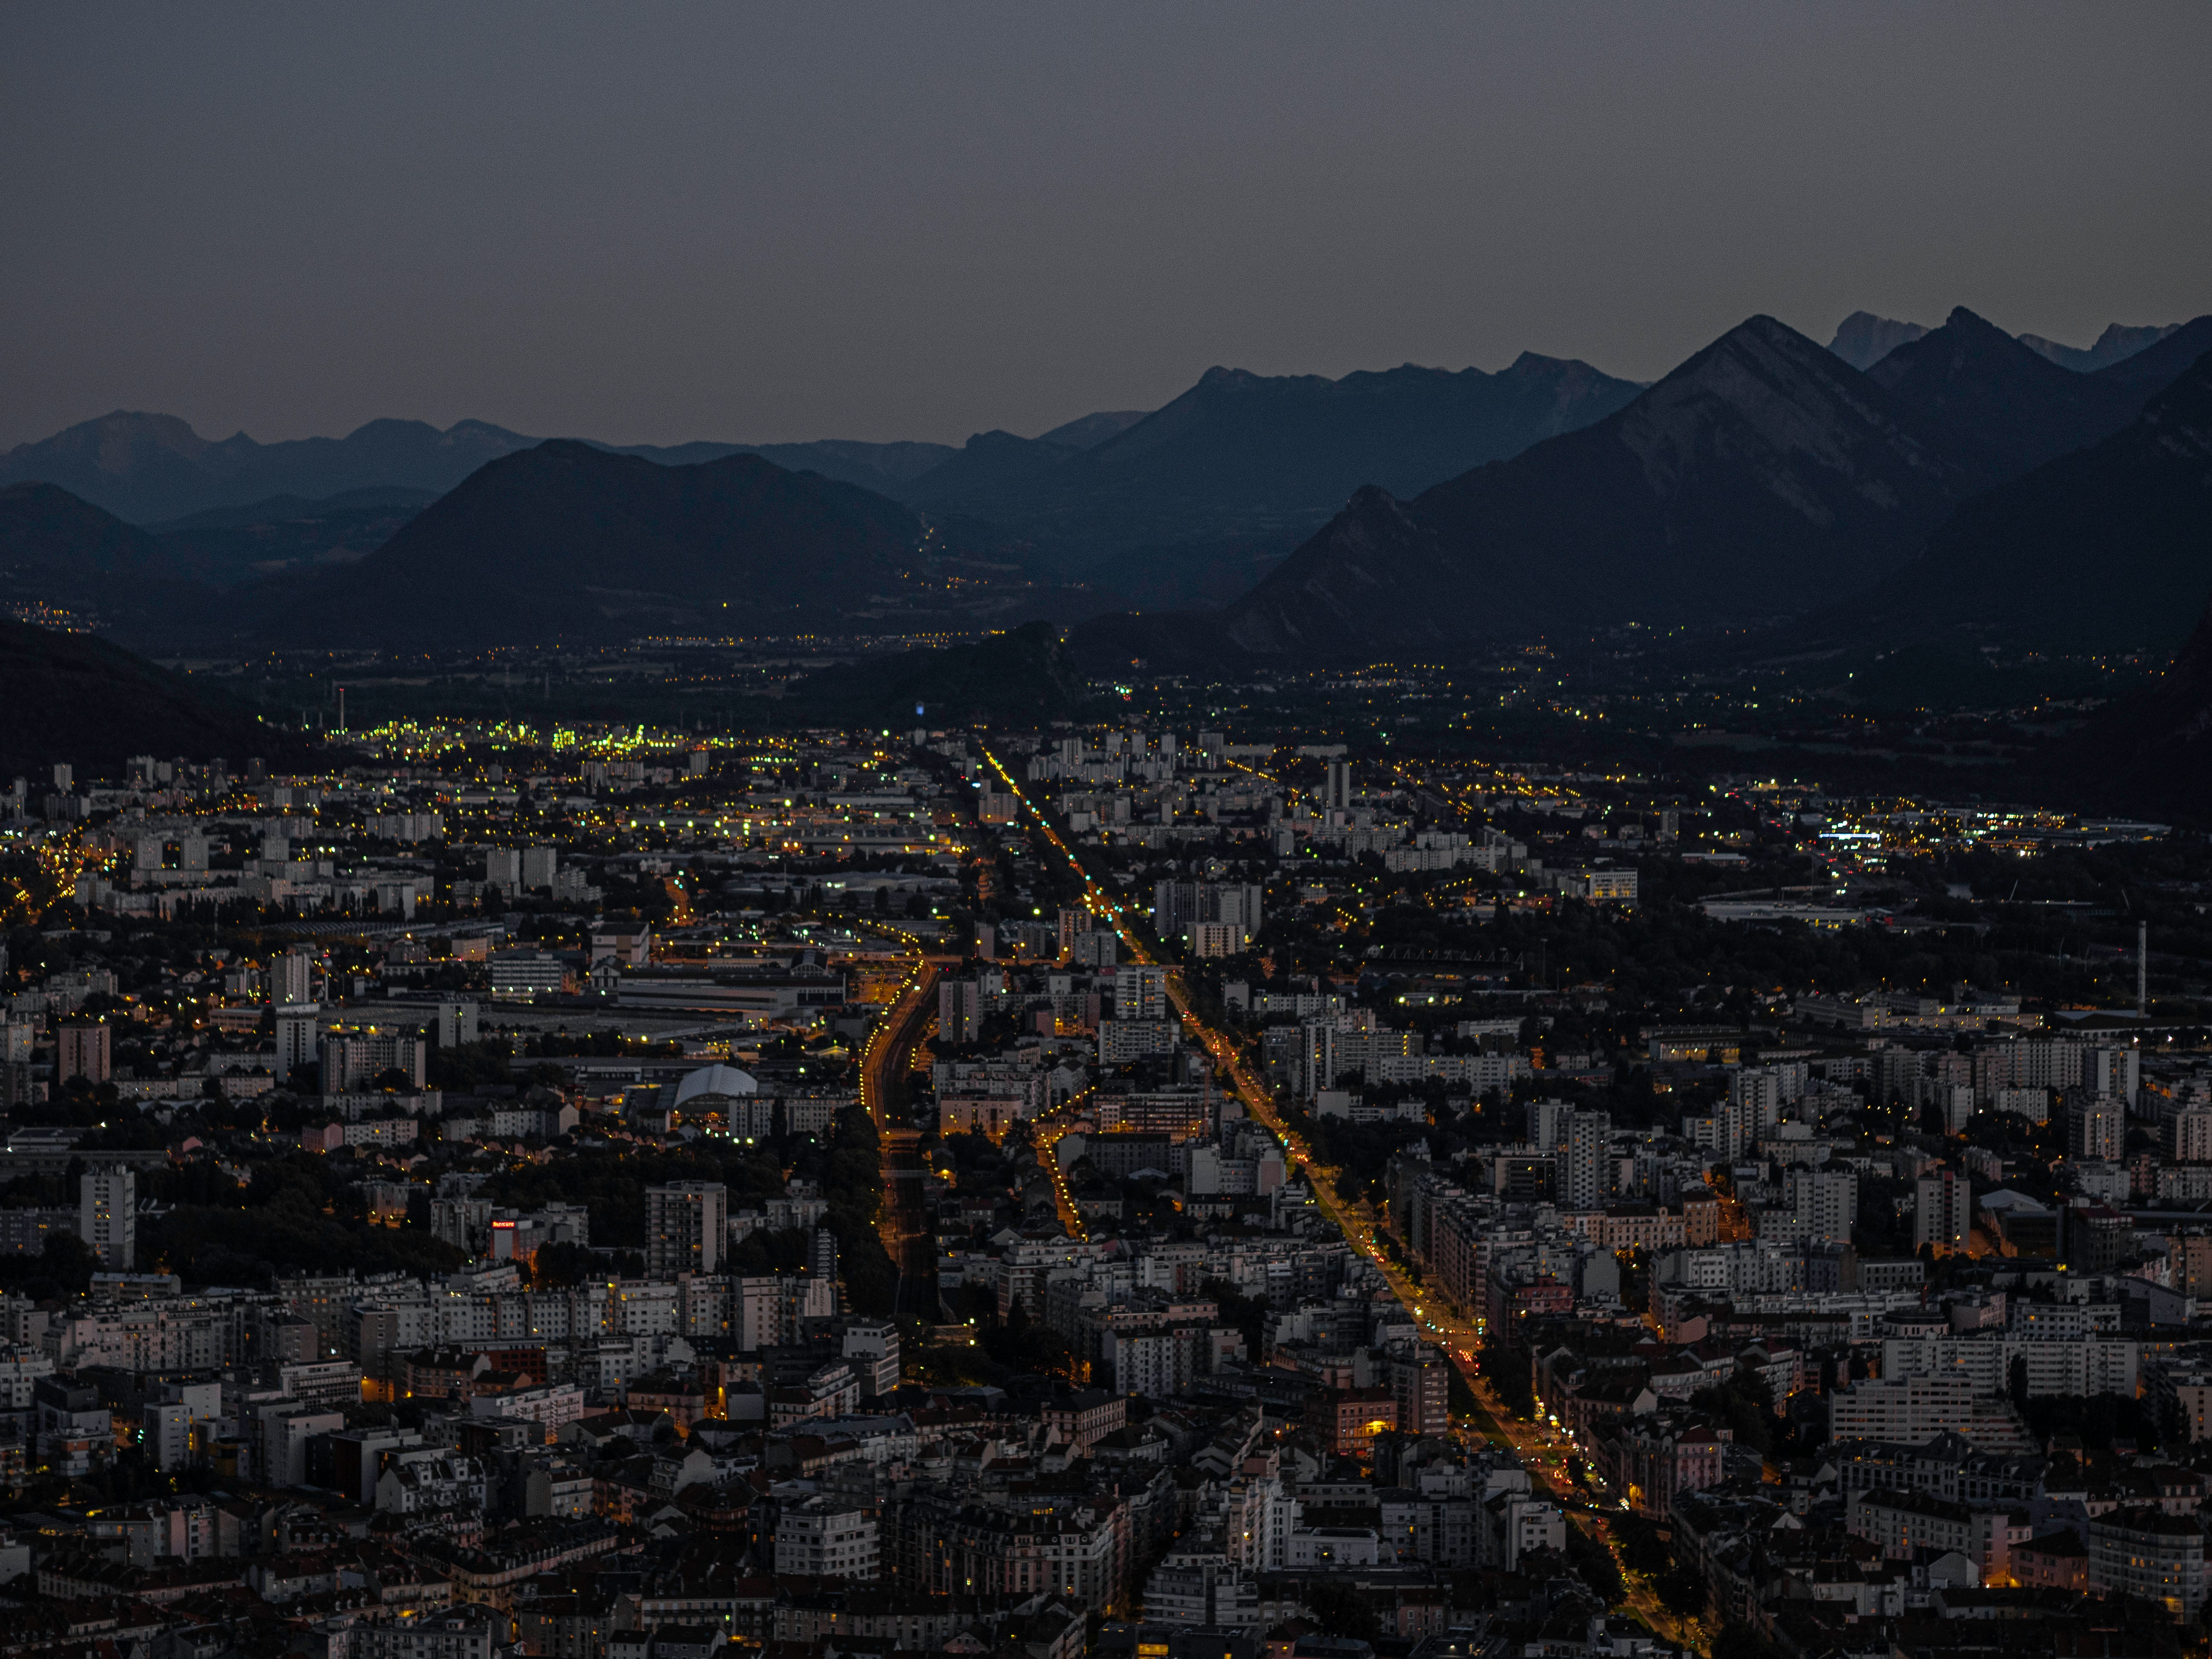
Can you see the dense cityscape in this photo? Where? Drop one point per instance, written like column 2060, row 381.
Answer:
column 1096, row 1189
column 1129, row 831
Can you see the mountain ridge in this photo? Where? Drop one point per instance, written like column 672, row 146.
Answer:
column 1783, row 467
column 2107, row 548
column 149, row 468
column 569, row 541
column 1242, row 466
column 77, row 700
column 1994, row 405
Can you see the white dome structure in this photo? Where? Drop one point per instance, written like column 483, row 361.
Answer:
column 710, row 1084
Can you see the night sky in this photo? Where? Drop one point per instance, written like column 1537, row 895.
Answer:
column 660, row 223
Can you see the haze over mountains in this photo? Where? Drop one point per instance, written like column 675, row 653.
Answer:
column 1764, row 477
column 146, row 469
column 1863, row 339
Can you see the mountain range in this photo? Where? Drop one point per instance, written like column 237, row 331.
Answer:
column 149, row 469
column 1762, row 477
column 1244, row 458
column 1863, row 339
column 568, row 541
column 2107, row 549
column 1765, row 478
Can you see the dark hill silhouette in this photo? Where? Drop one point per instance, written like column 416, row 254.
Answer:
column 87, row 703
column 2109, row 548
column 67, row 554
column 228, row 545
column 1244, row 460
column 1758, row 477
column 2151, row 753
column 1994, row 406
column 1089, row 431
column 567, row 541
column 1023, row 676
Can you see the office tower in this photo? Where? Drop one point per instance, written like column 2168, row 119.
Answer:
column 686, row 1224
column 1943, row 1210
column 108, row 1217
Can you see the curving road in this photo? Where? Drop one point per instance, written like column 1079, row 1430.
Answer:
column 903, row 1222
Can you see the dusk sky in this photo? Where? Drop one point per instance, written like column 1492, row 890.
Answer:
column 665, row 223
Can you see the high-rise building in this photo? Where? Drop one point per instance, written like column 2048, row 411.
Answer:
column 356, row 1059
column 457, row 1023
column 1140, row 992
column 1756, row 1091
column 1319, row 1061
column 108, row 1217
column 82, row 1051
column 502, row 869
column 1583, row 1139
column 1420, row 1382
column 2096, row 1130
column 1336, row 793
column 1547, row 1123
column 686, row 1224
column 292, row 978
column 539, row 865
column 2189, row 1136
column 959, row 1009
column 17, row 1039
column 1825, row 1202
column 299, row 1037
column 822, row 1253
column 1943, row 1210
column 2113, row 1071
